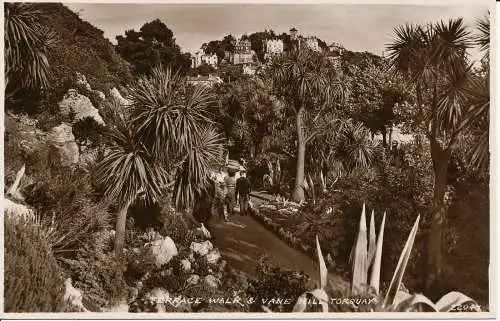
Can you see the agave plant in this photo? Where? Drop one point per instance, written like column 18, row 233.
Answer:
column 406, row 302
column 367, row 255
column 319, row 293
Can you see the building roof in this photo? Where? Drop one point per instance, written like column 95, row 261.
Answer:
column 293, row 29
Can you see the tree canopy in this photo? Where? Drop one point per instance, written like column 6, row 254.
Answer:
column 152, row 45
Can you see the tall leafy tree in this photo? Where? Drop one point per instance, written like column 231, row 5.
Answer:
column 434, row 58
column 308, row 85
column 154, row 44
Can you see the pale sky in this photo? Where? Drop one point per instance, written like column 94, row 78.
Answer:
column 358, row 27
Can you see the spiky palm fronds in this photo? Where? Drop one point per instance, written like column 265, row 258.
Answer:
column 357, row 149
column 304, row 77
column 192, row 176
column 128, row 167
column 167, row 113
column 27, row 45
column 482, row 39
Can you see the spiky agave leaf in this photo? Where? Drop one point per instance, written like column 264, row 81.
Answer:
column 360, row 264
column 311, row 186
column 375, row 276
column 401, row 267
column 372, row 239
column 452, row 300
column 319, row 294
column 323, row 273
column 412, row 302
column 14, row 187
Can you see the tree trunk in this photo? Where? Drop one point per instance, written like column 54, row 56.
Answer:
column 384, row 138
column 440, row 159
column 298, row 191
column 120, row 229
column 390, row 138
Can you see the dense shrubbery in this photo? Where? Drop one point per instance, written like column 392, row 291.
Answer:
column 65, row 200
column 33, row 280
column 274, row 282
column 99, row 276
column 88, row 132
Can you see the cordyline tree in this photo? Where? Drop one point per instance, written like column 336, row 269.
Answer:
column 27, row 45
column 435, row 59
column 164, row 139
column 309, row 86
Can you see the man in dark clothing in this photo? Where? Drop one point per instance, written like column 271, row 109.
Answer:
column 243, row 190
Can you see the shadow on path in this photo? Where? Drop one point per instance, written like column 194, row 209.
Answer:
column 243, row 240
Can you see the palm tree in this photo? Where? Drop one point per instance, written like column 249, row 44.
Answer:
column 164, row 139
column 27, row 45
column 479, row 100
column 356, row 148
column 172, row 120
column 434, row 58
column 308, row 84
column 127, row 169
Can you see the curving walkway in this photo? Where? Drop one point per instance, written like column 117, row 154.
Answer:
column 243, row 240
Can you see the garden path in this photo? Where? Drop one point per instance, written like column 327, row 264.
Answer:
column 243, row 240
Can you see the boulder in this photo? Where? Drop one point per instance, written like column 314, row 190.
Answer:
column 193, row 279
column 163, row 250
column 18, row 211
column 121, row 307
column 115, row 94
column 201, row 248
column 212, row 281
column 160, row 297
column 63, row 145
column 73, row 296
column 81, row 82
column 80, row 105
column 99, row 94
column 213, row 256
column 186, row 265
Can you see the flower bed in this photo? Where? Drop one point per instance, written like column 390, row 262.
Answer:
column 286, row 221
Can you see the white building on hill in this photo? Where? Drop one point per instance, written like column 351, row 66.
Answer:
column 200, row 58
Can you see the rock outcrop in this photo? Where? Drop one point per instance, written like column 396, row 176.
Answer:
column 163, row 250
column 18, row 211
column 201, row 248
column 80, row 105
column 64, row 149
column 73, row 297
column 115, row 94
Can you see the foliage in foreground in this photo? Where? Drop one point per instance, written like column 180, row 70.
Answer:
column 395, row 299
column 33, row 280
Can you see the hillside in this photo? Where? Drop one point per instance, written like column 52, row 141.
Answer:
column 80, row 47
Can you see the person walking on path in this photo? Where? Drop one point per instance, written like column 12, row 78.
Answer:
column 219, row 196
column 242, row 192
column 230, row 185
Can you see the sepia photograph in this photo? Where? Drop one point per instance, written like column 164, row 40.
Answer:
column 272, row 159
